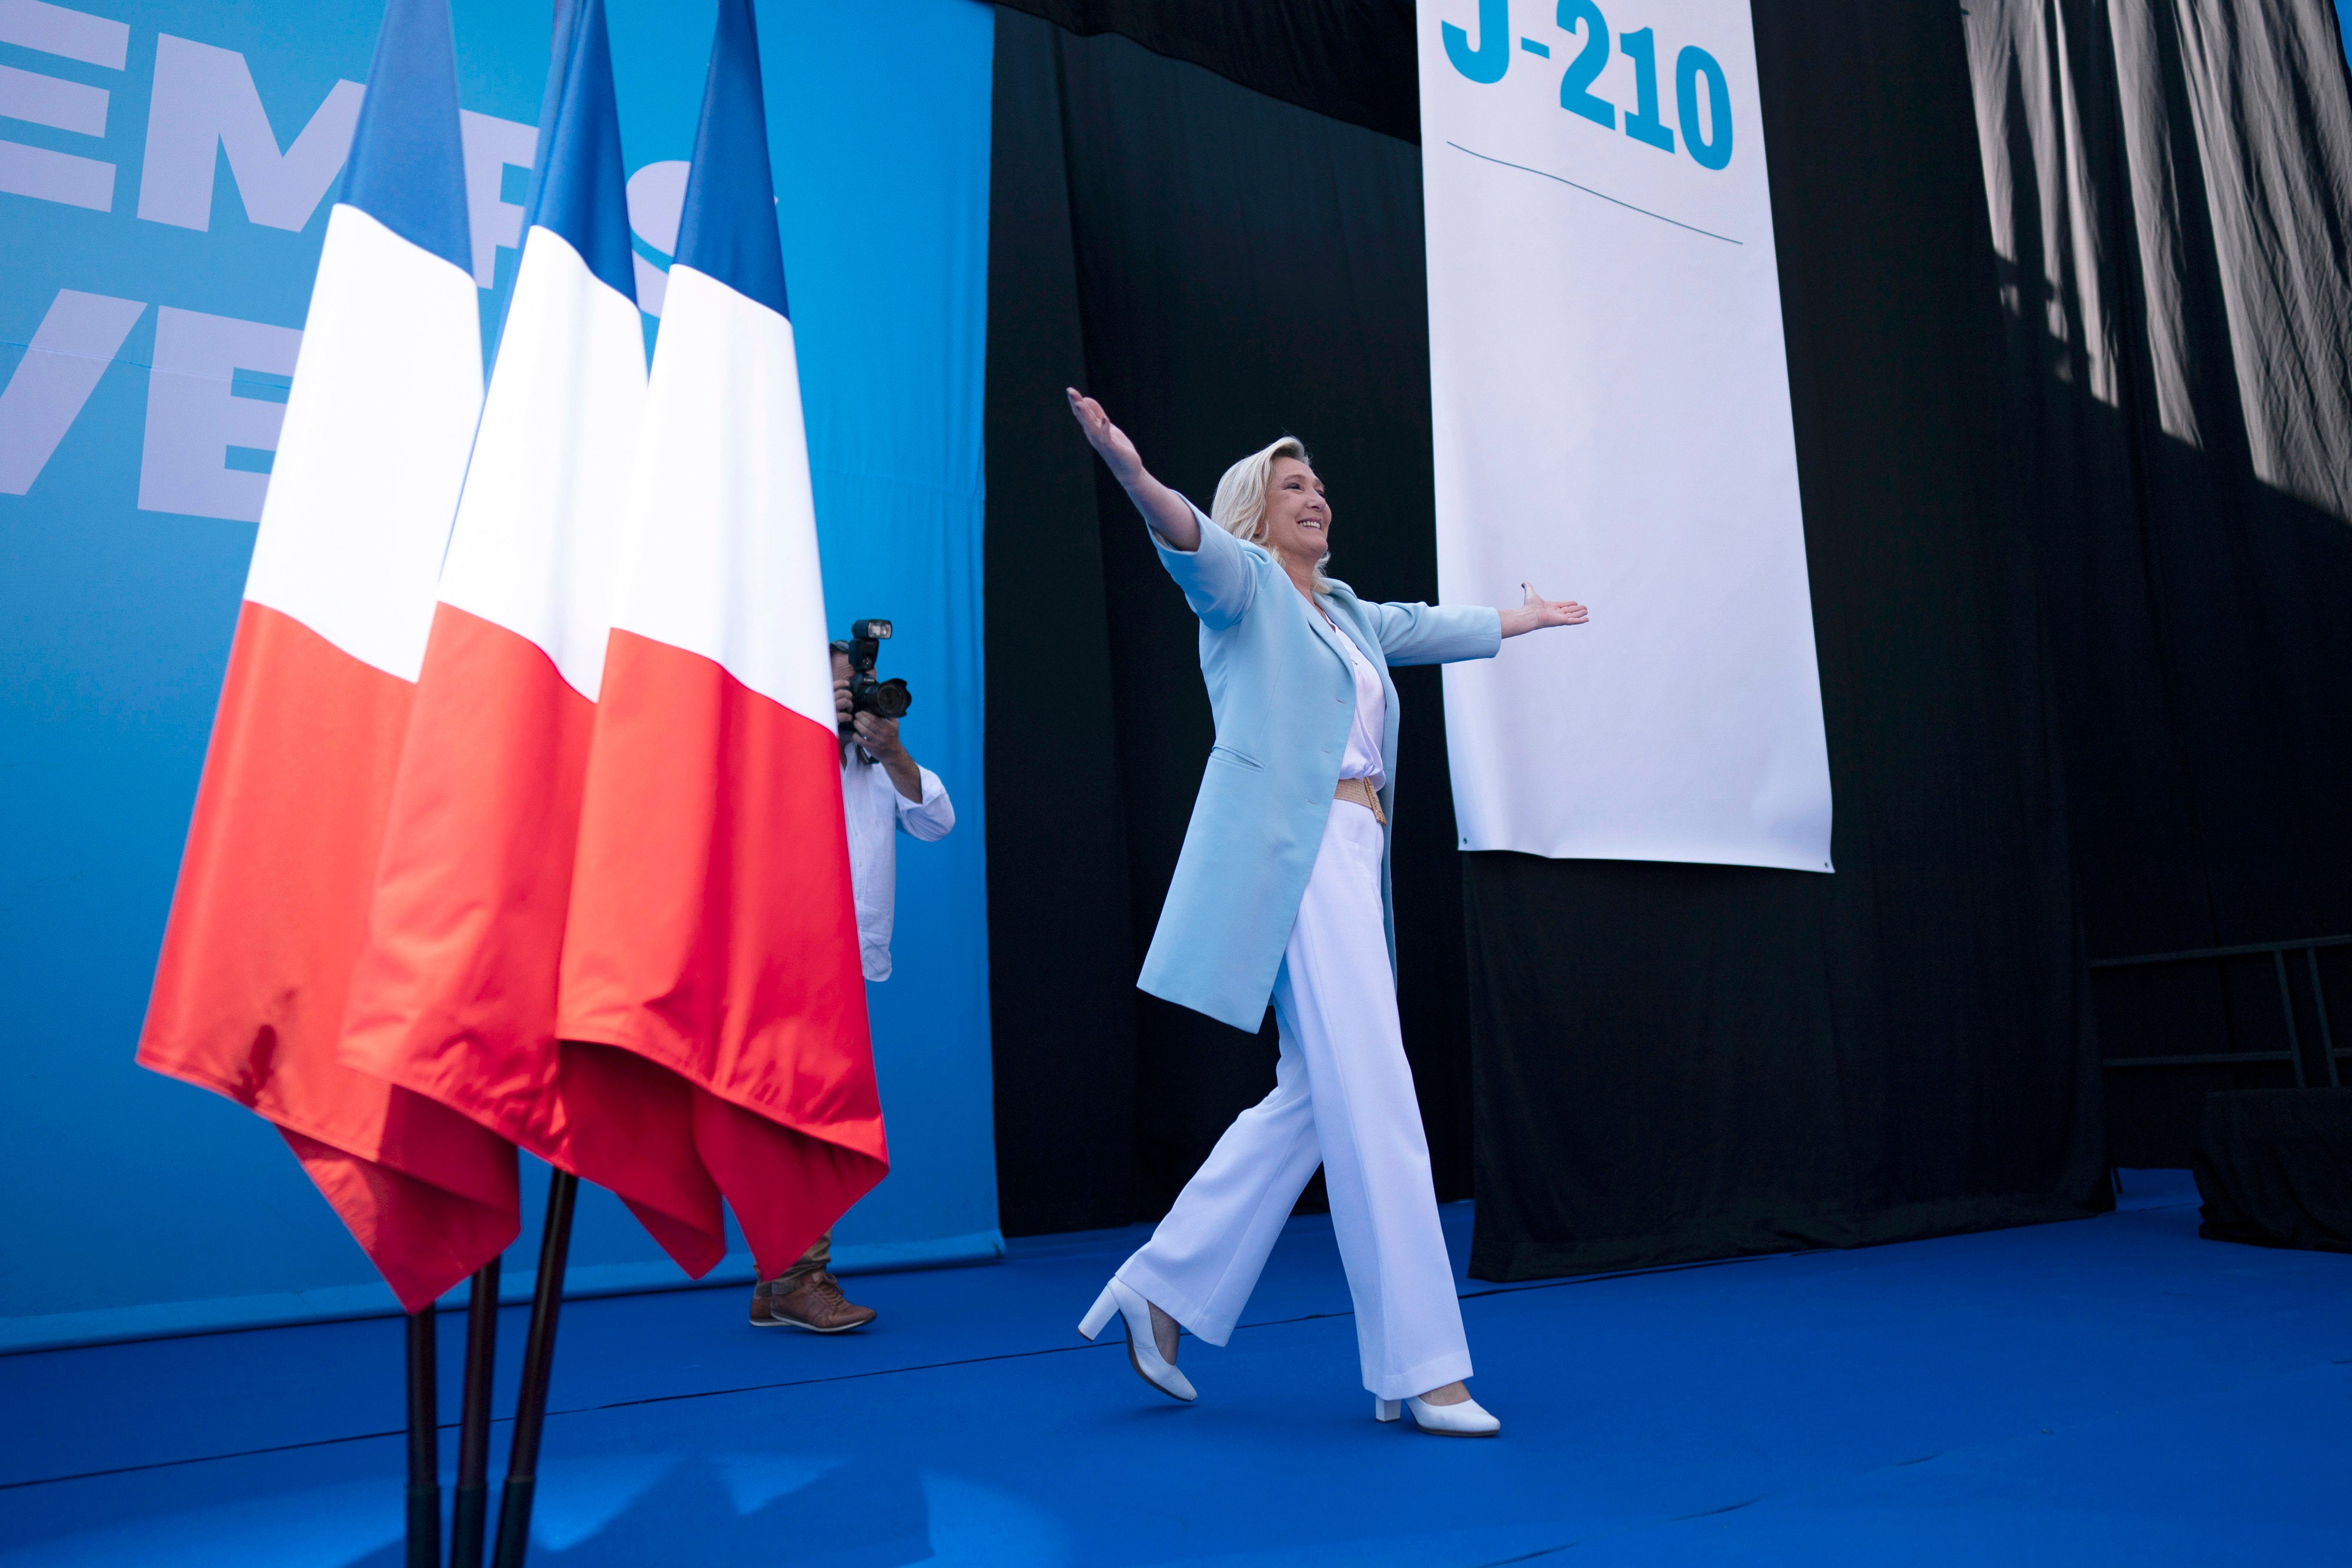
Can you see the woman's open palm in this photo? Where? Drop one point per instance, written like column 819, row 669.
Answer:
column 1542, row 611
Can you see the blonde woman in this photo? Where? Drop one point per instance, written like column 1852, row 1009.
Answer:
column 1281, row 892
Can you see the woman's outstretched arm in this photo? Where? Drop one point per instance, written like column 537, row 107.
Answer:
column 1168, row 514
column 1445, row 634
column 1537, row 612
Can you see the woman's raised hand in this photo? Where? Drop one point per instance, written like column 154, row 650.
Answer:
column 1105, row 437
column 1537, row 612
column 1170, row 515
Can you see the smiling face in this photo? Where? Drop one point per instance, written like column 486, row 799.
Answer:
column 1297, row 517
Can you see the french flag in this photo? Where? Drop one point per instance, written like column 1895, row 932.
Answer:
column 711, row 927
column 455, row 996
column 272, row 905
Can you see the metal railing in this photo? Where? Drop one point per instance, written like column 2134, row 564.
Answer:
column 2329, row 1052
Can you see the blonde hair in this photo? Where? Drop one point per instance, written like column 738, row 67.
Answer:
column 1240, row 506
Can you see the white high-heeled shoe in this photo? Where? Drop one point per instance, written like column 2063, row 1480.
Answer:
column 1143, row 1350
column 1467, row 1419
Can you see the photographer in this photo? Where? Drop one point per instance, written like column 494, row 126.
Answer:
column 884, row 792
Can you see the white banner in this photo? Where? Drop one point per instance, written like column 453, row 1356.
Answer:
column 1611, row 423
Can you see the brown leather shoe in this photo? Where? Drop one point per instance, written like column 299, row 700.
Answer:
column 814, row 1301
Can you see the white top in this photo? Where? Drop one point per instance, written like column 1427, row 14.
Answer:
column 1363, row 756
column 876, row 813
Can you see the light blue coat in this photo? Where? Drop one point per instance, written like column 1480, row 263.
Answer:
column 1285, row 698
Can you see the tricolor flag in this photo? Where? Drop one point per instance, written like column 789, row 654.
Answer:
column 711, row 927
column 273, row 895
column 455, row 995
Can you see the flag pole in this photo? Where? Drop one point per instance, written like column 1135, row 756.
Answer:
column 537, row 1355
column 470, row 1510
column 424, row 1446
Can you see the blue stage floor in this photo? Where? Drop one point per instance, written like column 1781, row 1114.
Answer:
column 2114, row 1391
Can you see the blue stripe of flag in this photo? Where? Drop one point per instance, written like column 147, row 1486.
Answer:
column 728, row 228
column 407, row 165
column 577, row 191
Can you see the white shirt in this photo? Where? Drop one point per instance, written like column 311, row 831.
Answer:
column 1363, row 755
column 876, row 813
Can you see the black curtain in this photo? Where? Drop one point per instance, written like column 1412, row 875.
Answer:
column 1768, row 1060
column 1753, row 1060
column 1349, row 60
column 1220, row 267
column 2169, row 187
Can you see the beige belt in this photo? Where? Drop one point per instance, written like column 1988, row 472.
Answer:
column 1361, row 792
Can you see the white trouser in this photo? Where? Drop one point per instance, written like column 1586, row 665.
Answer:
column 1343, row 1096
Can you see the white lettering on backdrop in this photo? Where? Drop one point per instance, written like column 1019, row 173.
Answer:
column 214, row 396
column 198, row 415
column 492, row 147
column 37, row 99
column 1610, row 398
column 74, row 344
column 204, row 103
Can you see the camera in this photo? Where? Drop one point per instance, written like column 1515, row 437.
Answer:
column 888, row 699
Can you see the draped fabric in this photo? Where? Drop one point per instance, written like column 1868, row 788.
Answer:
column 2275, row 1168
column 1349, row 60
column 2064, row 293
column 2169, row 185
column 1687, row 1062
column 1219, row 267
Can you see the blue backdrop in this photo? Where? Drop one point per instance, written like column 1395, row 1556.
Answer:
column 161, row 159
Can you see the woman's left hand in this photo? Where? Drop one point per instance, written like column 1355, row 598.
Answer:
column 1539, row 612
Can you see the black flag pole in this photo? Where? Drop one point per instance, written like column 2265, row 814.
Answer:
column 471, row 1510
column 424, row 1444
column 537, row 1355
